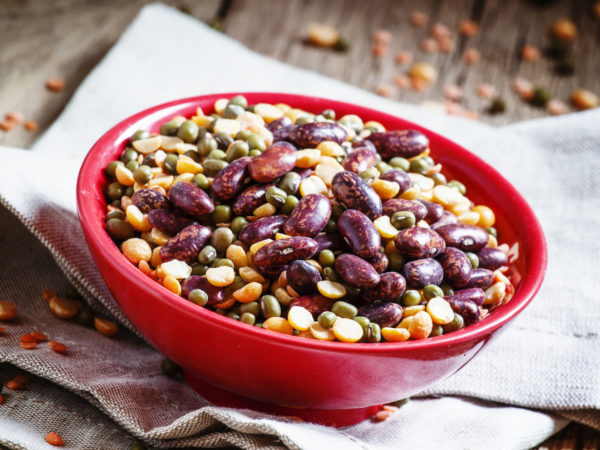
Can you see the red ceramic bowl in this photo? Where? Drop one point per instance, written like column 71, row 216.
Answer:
column 275, row 369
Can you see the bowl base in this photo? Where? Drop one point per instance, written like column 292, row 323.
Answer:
column 330, row 417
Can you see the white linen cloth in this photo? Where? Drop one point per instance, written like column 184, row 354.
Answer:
column 547, row 359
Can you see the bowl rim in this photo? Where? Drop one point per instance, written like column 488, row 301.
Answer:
column 88, row 180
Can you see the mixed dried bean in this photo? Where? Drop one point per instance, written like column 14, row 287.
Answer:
column 304, row 225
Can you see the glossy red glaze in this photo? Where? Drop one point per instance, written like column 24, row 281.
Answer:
column 285, row 370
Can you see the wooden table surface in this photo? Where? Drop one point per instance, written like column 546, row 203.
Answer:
column 40, row 39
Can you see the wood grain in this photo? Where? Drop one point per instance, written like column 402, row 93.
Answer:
column 40, row 39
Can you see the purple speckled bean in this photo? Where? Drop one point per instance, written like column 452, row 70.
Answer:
column 333, row 242
column 283, row 251
column 309, row 216
column 398, row 176
column 405, row 143
column 435, row 211
column 355, row 193
column 362, row 158
column 467, row 309
column 447, row 219
column 230, row 181
column 456, row 265
column 385, row 314
column 215, row 294
column 468, row 238
column 492, row 258
column 390, row 288
column 261, row 229
column 361, row 234
column 274, row 162
column 475, row 295
column 280, row 128
column 250, row 199
column 379, row 262
column 168, row 221
column 303, row 277
column 481, row 278
column 421, row 272
column 186, row 245
column 356, row 271
column 310, row 135
column 191, row 200
column 419, row 242
column 316, row 304
column 148, row 199
column 394, row 205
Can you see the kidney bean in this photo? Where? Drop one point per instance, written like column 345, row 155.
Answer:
column 309, row 216
column 379, row 262
column 397, row 176
column 355, row 193
column 333, row 242
column 394, row 205
column 456, row 265
column 435, row 211
column 148, row 199
column 360, row 159
column 421, row 272
column 250, row 199
column 316, row 304
column 466, row 308
column 419, row 242
column 186, row 245
column 284, row 251
column 468, row 238
column 168, row 221
column 481, row 278
column 492, row 258
column 475, row 295
column 405, row 143
column 361, row 234
column 384, row 314
column 390, row 288
column 309, row 135
column 447, row 219
column 261, row 229
column 280, row 128
column 230, row 181
column 191, row 199
column 356, row 271
column 303, row 277
column 215, row 294
column 274, row 162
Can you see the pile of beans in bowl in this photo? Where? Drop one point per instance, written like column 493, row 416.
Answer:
column 306, row 224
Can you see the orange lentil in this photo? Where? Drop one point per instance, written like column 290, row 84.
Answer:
column 403, row 57
column 556, row 107
column 453, row 92
column 7, row 125
column 419, row 19
column 471, row 55
column 31, row 125
column 468, row 28
column 530, row 53
column 486, row 90
column 13, row 385
column 29, row 345
column 54, row 439
column 446, row 45
column 55, row 84
column 439, row 31
column 41, row 337
column 429, row 46
column 14, row 116
column 402, row 81
column 382, row 37
column 57, row 346
column 379, row 50
column 385, row 90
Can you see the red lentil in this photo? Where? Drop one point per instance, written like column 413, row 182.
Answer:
column 57, row 346
column 403, row 57
column 54, row 439
column 28, row 345
column 556, row 107
column 55, row 84
column 429, row 46
column 486, row 90
column 453, row 92
column 524, row 88
column 379, row 50
column 385, row 90
column 14, row 116
column 383, row 37
column 7, row 125
column 41, row 337
column 530, row 53
column 13, row 385
column 31, row 125
column 446, row 45
column 419, row 19
column 471, row 55
column 402, row 81
column 468, row 28
column 439, row 31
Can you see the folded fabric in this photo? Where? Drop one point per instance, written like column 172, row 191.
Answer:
column 545, row 360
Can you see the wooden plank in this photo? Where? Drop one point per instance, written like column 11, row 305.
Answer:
column 40, row 39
